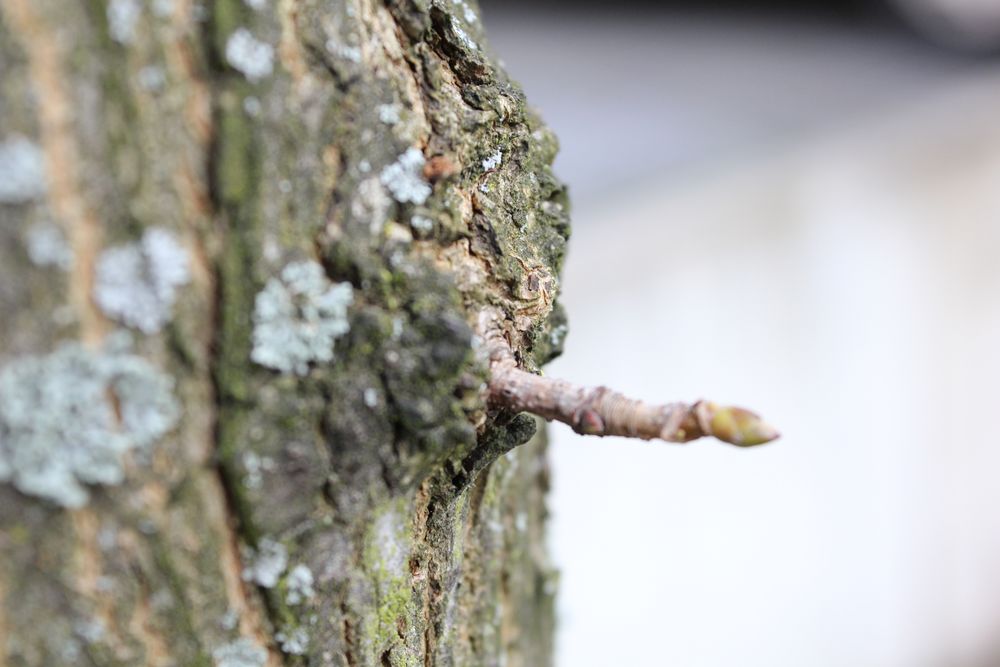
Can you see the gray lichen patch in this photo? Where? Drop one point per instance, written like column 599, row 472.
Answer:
column 371, row 203
column 467, row 12
column 250, row 56
column 350, row 53
column 255, row 466
column 47, row 246
column 267, row 564
column 389, row 113
column 493, row 161
column 404, row 178
column 123, row 16
column 300, row 585
column 293, row 642
column 298, row 317
column 136, row 284
column 22, row 171
column 163, row 8
column 462, row 35
column 67, row 418
column 151, row 78
column 390, row 539
column 241, row 653
column 422, row 224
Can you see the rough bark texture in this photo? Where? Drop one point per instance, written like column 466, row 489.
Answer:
column 368, row 509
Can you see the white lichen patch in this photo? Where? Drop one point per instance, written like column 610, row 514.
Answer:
column 370, row 397
column 230, row 619
column 107, row 538
column 47, row 246
column 371, row 203
column 293, row 642
column 298, row 317
column 404, row 178
column 350, row 53
column 22, row 171
column 493, row 161
column 91, row 630
column 252, row 106
column 123, row 17
column 558, row 335
column 163, row 8
column 300, row 585
column 250, row 56
column 241, row 653
column 462, row 35
column 67, row 418
column 267, row 564
column 467, row 12
column 151, row 78
column 422, row 224
column 137, row 283
column 255, row 467
column 390, row 541
column 388, row 113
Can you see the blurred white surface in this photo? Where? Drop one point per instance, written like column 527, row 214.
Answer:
column 850, row 292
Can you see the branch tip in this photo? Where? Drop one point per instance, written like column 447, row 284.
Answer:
column 601, row 411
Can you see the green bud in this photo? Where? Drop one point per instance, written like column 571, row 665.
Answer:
column 734, row 425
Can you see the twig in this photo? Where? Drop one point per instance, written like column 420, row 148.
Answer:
column 601, row 411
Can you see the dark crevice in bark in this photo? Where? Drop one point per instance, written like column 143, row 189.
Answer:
column 165, row 565
column 468, row 67
column 434, row 595
column 320, row 56
column 348, row 633
column 228, row 405
column 406, row 39
column 499, row 439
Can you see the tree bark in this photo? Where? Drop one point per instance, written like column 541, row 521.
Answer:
column 278, row 465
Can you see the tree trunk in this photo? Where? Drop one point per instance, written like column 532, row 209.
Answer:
column 242, row 407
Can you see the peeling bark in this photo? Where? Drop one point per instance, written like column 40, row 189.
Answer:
column 377, row 139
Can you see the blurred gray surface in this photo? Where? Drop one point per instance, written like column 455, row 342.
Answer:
column 639, row 96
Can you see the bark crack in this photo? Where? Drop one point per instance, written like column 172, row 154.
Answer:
column 157, row 649
column 219, row 490
column 88, row 564
column 238, row 596
column 348, row 630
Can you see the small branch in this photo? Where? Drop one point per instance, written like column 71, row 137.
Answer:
column 601, row 411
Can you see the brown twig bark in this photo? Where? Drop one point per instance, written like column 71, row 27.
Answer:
column 602, row 411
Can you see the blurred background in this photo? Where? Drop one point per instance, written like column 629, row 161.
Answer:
column 794, row 208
